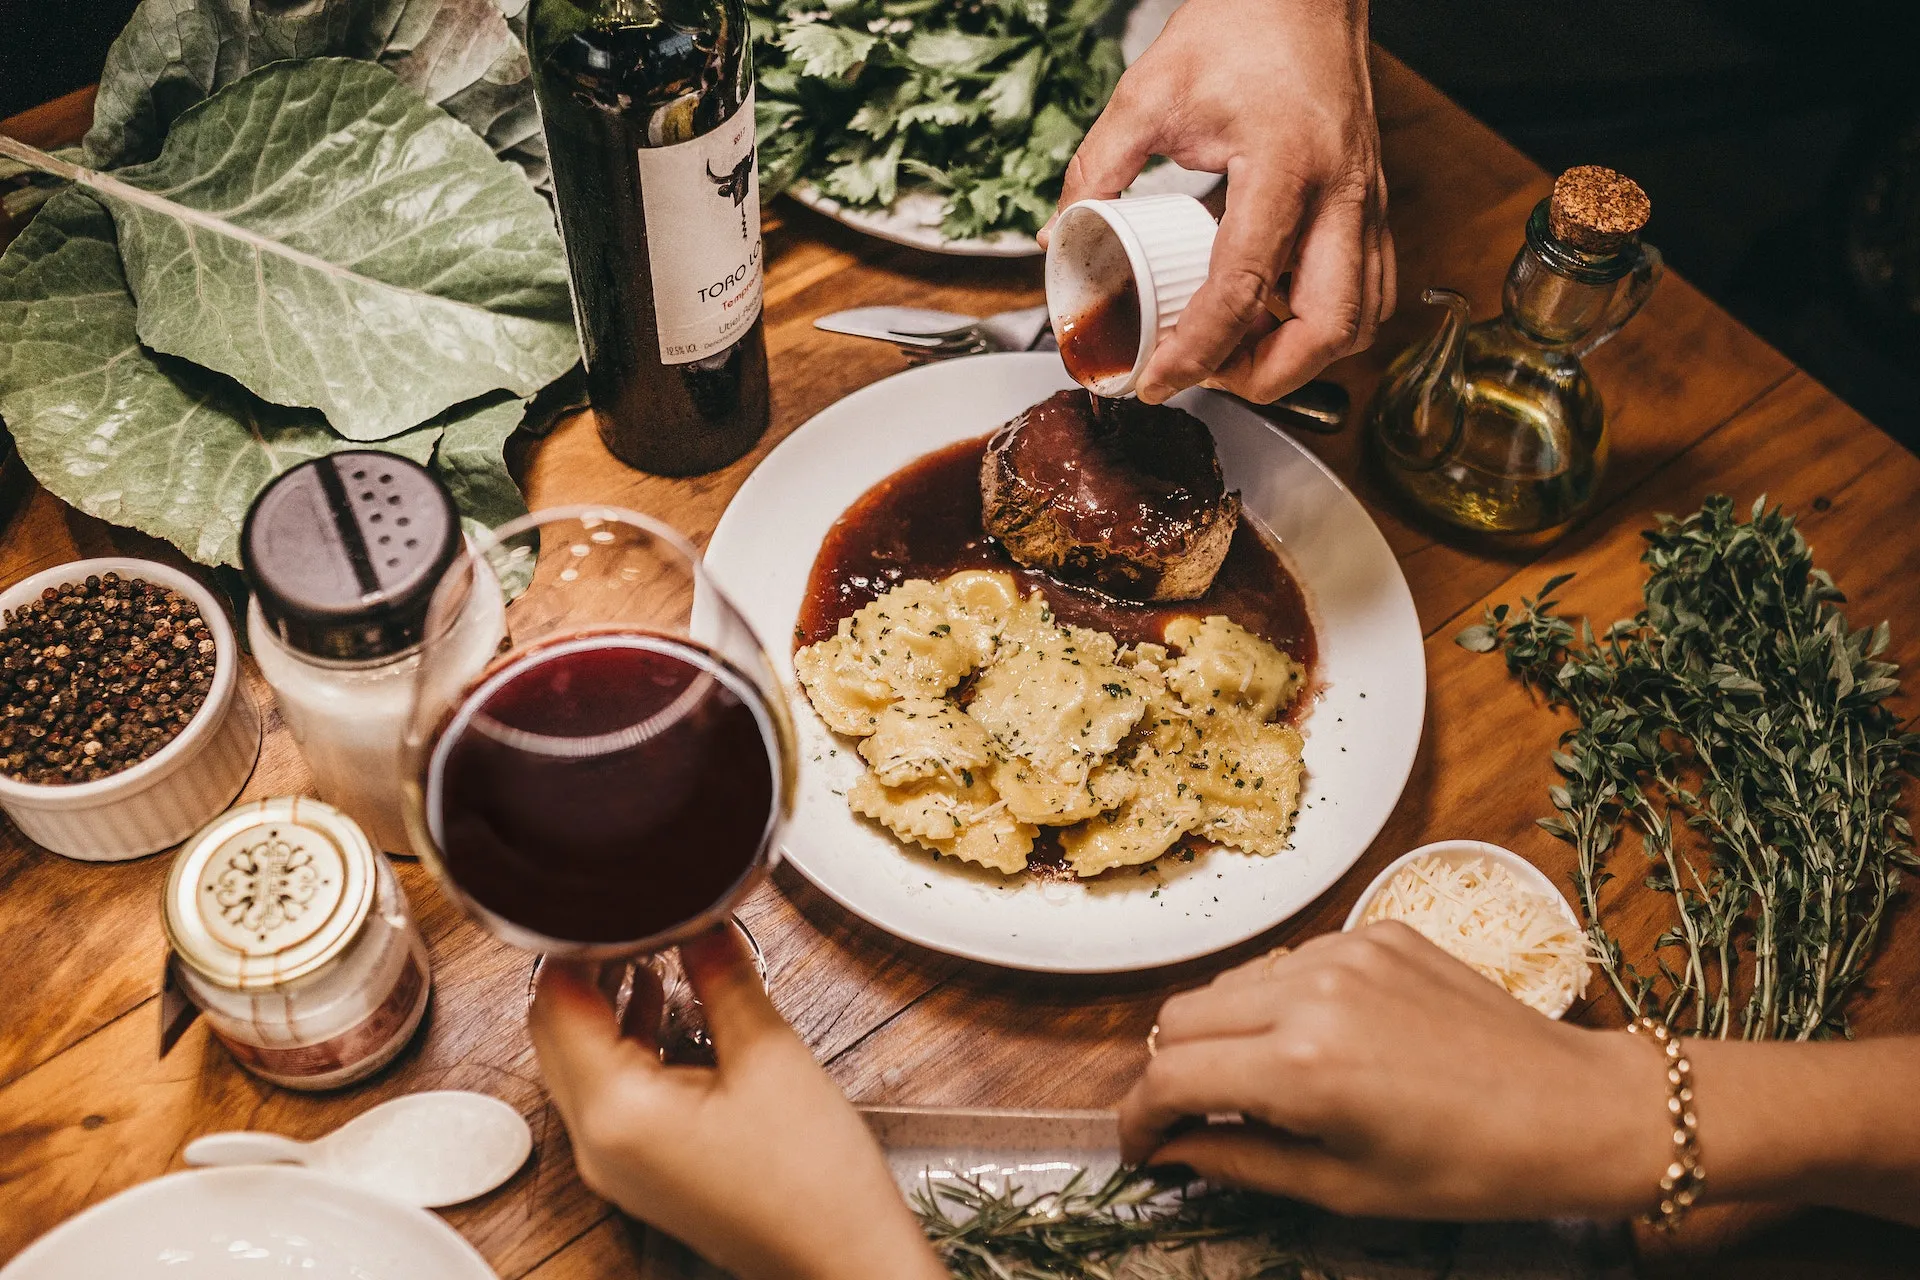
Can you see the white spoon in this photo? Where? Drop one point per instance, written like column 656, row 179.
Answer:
column 425, row 1149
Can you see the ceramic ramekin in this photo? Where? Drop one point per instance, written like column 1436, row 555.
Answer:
column 1164, row 242
column 176, row 790
column 1458, row 851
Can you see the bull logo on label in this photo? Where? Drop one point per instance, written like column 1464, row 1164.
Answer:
column 735, row 184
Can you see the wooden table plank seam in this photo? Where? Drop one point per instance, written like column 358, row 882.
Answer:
column 571, row 1242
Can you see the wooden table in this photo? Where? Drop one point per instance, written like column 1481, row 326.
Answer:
column 1699, row 405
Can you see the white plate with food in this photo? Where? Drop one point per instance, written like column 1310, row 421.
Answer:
column 1307, row 570
column 915, row 215
column 211, row 1224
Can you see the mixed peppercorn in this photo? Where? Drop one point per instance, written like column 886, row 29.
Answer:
column 98, row 675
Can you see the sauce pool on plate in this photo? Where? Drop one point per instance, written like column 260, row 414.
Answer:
column 924, row 521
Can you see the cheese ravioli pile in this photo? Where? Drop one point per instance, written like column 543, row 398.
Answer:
column 982, row 719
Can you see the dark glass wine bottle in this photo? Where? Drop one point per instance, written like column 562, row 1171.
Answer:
column 648, row 108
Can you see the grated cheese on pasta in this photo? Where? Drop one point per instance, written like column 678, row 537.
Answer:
column 1476, row 911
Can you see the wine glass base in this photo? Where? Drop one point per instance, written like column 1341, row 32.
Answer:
column 669, row 1013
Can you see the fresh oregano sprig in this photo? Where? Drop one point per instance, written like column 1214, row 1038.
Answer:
column 1133, row 1224
column 1739, row 706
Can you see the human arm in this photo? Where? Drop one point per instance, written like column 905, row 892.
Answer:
column 1275, row 94
column 1383, row 1077
column 759, row 1164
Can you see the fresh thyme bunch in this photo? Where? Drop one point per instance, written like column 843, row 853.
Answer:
column 1132, row 1225
column 1739, row 703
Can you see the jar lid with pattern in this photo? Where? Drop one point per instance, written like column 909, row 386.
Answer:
column 269, row 892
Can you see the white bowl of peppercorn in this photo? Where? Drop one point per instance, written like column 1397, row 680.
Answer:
column 126, row 724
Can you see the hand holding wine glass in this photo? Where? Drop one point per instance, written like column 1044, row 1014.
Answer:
column 758, row 1163
column 614, row 784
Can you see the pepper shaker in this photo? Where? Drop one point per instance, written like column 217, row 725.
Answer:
column 343, row 554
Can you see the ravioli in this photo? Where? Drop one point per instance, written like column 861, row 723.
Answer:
column 906, row 640
column 1250, row 786
column 982, row 720
column 1033, row 797
column 1059, row 704
column 1223, row 665
column 932, row 809
column 1163, row 806
column 996, row 840
column 960, row 819
column 847, row 694
column 990, row 614
column 922, row 738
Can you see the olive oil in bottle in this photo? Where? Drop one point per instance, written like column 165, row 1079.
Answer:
column 648, row 109
column 1496, row 427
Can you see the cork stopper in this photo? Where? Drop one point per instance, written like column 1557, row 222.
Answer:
column 1597, row 210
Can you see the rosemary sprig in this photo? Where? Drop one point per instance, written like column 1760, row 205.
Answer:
column 1132, row 1224
column 1738, row 702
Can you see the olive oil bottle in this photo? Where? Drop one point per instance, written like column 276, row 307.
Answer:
column 1496, row 427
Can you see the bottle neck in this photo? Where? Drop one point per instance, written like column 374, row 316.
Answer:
column 1557, row 295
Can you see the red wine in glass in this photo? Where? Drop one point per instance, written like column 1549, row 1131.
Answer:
column 606, row 791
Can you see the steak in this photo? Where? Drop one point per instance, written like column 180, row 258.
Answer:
column 1114, row 494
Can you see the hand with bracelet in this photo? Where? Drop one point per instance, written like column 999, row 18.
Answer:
column 1380, row 1076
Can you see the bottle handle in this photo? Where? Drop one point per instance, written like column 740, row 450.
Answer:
column 1646, row 274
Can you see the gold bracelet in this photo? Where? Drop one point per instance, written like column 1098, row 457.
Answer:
column 1680, row 1183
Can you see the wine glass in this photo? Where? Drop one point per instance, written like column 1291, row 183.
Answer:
column 599, row 767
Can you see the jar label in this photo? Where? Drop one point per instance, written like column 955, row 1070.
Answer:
column 364, row 1040
column 702, row 205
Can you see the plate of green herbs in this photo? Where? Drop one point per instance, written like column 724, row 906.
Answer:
column 943, row 126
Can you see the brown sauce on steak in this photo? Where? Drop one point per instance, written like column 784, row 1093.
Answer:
column 1117, row 495
column 1117, row 472
column 923, row 521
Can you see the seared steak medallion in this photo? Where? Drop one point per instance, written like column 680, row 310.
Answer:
column 1126, row 497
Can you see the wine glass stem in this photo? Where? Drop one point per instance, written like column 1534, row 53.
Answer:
column 661, row 1006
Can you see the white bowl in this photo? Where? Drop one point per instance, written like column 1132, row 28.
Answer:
column 250, row 1222
column 173, row 792
column 1458, row 851
column 1165, row 243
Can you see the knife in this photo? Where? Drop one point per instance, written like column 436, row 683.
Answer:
column 1019, row 330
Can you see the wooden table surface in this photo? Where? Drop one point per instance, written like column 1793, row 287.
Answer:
column 1698, row 405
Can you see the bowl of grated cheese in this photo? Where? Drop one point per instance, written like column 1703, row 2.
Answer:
column 1491, row 909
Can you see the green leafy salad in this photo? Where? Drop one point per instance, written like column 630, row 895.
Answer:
column 981, row 101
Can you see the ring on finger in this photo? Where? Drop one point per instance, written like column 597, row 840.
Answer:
column 1274, row 957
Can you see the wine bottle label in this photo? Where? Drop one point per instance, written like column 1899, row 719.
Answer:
column 702, row 202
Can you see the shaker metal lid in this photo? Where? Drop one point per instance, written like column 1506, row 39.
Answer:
column 343, row 553
column 268, row 892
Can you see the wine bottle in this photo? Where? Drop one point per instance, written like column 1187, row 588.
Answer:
column 648, row 109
